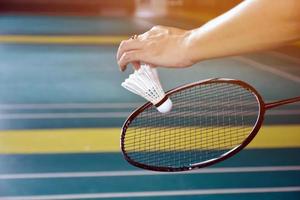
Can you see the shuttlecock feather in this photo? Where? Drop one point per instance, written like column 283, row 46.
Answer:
column 145, row 82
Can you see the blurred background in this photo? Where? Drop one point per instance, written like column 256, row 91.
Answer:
column 62, row 106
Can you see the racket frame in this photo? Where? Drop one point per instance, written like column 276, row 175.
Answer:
column 230, row 153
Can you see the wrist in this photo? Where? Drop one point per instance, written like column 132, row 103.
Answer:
column 192, row 48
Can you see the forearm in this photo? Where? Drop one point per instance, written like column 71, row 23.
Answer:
column 251, row 26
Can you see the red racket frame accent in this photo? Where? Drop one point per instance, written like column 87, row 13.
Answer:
column 230, row 153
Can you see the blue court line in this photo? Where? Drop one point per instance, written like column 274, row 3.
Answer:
column 54, row 186
column 82, row 162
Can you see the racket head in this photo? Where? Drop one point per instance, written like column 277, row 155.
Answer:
column 202, row 163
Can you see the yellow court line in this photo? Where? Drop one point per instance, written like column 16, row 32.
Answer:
column 107, row 140
column 68, row 39
column 62, row 39
column 297, row 44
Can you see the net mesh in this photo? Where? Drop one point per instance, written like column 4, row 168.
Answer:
column 206, row 121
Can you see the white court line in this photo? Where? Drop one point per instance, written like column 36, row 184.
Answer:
column 65, row 115
column 158, row 193
column 108, row 115
column 147, row 173
column 69, row 106
column 267, row 68
column 284, row 57
column 78, row 106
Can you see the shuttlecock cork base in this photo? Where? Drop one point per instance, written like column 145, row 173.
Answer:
column 165, row 105
column 145, row 82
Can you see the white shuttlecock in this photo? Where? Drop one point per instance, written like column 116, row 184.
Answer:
column 145, row 82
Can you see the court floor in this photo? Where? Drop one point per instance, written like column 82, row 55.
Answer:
column 61, row 109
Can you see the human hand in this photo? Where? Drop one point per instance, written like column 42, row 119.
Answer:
column 160, row 46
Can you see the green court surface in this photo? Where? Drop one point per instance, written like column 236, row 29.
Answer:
column 96, row 174
column 62, row 87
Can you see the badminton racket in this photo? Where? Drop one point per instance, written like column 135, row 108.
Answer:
column 211, row 120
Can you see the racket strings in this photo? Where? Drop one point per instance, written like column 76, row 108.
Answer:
column 185, row 109
column 206, row 122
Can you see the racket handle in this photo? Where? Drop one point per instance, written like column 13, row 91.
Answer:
column 282, row 102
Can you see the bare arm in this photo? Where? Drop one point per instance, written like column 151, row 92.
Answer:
column 251, row 26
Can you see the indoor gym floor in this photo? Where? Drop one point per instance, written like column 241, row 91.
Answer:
column 61, row 109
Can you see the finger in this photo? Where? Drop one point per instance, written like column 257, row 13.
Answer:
column 127, row 45
column 136, row 65
column 157, row 28
column 130, row 57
